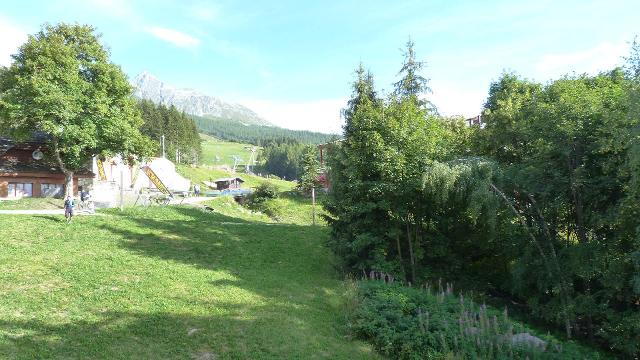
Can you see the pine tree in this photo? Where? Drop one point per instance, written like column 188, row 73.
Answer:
column 310, row 170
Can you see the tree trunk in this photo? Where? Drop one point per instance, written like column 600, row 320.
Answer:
column 68, row 181
column 68, row 174
column 547, row 263
column 574, row 163
column 412, row 258
column 400, row 254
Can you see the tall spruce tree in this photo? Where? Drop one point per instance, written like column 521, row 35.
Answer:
column 412, row 83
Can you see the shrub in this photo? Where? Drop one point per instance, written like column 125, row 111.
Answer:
column 409, row 323
column 259, row 199
column 262, row 193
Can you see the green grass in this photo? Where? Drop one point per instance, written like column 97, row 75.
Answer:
column 170, row 283
column 220, row 152
column 291, row 209
column 31, row 204
column 199, row 174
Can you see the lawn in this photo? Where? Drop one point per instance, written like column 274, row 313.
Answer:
column 32, row 204
column 170, row 283
column 220, row 152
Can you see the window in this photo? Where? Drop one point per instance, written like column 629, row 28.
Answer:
column 20, row 190
column 51, row 190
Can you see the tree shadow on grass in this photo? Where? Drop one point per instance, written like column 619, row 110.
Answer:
column 215, row 241
column 128, row 335
column 52, row 218
column 285, row 267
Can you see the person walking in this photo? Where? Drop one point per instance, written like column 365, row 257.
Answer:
column 68, row 208
column 196, row 189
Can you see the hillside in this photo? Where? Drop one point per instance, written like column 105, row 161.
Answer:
column 200, row 174
column 232, row 130
column 221, row 152
column 170, row 282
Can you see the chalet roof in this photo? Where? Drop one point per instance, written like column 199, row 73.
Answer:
column 36, row 140
column 12, row 165
column 229, row 179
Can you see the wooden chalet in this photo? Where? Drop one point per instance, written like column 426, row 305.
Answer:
column 228, row 183
column 25, row 170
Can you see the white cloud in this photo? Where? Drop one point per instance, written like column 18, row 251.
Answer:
column 10, row 40
column 317, row 115
column 204, row 12
column 604, row 56
column 453, row 99
column 174, row 37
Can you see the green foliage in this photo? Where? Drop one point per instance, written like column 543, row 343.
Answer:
column 259, row 135
column 258, row 199
column 263, row 192
column 539, row 205
column 310, row 170
column 61, row 83
column 412, row 84
column 407, row 323
column 282, row 158
column 181, row 136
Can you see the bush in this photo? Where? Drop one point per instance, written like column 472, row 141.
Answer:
column 408, row 323
column 259, row 199
column 262, row 193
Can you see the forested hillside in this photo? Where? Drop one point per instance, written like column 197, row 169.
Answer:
column 538, row 206
column 182, row 140
column 236, row 131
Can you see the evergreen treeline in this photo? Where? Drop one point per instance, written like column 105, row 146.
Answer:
column 283, row 158
column 233, row 130
column 541, row 205
column 182, row 140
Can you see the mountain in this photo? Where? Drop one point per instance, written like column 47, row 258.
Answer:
column 193, row 102
column 230, row 130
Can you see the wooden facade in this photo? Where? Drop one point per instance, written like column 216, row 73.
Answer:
column 228, row 183
column 24, row 175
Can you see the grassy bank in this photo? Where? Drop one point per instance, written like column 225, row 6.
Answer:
column 200, row 174
column 31, row 204
column 220, row 152
column 171, row 282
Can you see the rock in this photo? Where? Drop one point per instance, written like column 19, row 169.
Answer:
column 529, row 340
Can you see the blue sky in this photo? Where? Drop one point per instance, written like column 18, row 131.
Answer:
column 293, row 61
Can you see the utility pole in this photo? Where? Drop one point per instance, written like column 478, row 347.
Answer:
column 121, row 189
column 313, row 203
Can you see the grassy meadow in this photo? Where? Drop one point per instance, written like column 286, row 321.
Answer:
column 220, row 152
column 200, row 174
column 170, row 283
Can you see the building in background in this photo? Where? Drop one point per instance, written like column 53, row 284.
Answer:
column 25, row 171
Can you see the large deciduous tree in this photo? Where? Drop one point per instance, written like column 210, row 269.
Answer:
column 62, row 83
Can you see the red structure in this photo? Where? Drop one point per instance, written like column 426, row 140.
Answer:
column 323, row 177
column 25, row 170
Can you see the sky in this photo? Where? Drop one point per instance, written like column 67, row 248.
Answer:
column 293, row 62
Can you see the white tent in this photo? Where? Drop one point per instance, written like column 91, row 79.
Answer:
column 166, row 172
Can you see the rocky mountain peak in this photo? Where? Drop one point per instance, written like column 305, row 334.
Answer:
column 149, row 87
